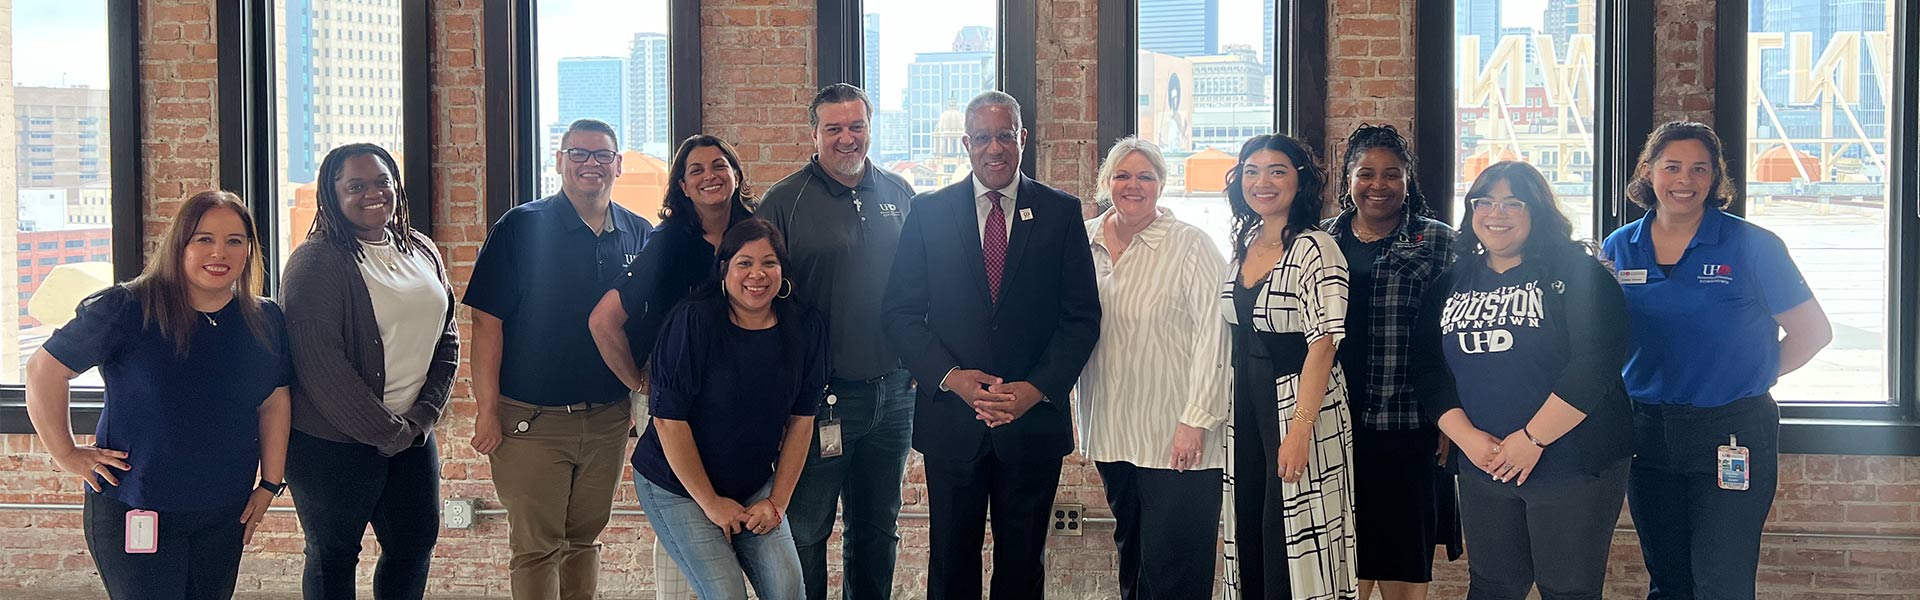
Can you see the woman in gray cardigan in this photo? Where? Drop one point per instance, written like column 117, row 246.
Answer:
column 370, row 320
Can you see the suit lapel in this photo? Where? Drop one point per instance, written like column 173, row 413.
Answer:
column 1021, row 231
column 967, row 221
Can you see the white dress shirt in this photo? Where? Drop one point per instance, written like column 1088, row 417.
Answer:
column 1163, row 356
column 982, row 206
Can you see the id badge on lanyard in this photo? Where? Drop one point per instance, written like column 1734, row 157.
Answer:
column 830, row 431
column 142, row 532
column 1734, row 471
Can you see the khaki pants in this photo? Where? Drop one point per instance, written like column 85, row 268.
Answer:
column 557, row 481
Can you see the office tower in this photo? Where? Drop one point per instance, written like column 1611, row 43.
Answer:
column 1182, row 27
column 649, row 106
column 1479, row 18
column 593, row 87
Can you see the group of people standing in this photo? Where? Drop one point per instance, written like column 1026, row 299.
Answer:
column 1349, row 392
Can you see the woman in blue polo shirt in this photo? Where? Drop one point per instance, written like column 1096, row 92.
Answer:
column 197, row 410
column 737, row 375
column 1709, row 295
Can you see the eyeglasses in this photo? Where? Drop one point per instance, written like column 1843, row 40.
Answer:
column 1008, row 137
column 1499, row 206
column 580, row 155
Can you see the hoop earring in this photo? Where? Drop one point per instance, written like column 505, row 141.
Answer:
column 786, row 290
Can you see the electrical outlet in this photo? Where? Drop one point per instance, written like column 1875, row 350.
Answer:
column 1069, row 519
column 457, row 514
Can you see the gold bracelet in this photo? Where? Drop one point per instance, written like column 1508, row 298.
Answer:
column 1300, row 414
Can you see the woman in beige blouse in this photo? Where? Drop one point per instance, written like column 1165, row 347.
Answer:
column 1155, row 392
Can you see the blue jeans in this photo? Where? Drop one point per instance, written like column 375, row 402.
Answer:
column 339, row 488
column 876, row 429
column 711, row 562
column 1701, row 541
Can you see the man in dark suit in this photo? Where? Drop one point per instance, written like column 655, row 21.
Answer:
column 992, row 306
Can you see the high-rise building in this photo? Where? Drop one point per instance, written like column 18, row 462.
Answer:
column 1564, row 18
column 62, row 140
column 341, row 80
column 974, row 38
column 649, row 106
column 593, row 87
column 939, row 80
column 1478, row 18
column 1822, row 19
column 1182, row 27
column 890, row 135
column 1234, row 78
column 870, row 62
column 1266, row 33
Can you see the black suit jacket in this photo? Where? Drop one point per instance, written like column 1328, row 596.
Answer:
column 938, row 316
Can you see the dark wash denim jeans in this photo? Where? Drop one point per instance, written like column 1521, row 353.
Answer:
column 1701, row 541
column 876, row 425
column 198, row 557
column 340, row 488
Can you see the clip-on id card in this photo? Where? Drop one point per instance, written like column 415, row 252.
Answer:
column 1733, row 470
column 830, row 431
column 143, row 532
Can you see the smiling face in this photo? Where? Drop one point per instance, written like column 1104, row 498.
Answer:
column 841, row 139
column 1501, row 221
column 709, row 180
column 753, row 276
column 1134, row 187
column 1269, row 180
column 216, row 252
column 994, row 142
column 588, row 178
column 1682, row 175
column 1378, row 184
column 366, row 192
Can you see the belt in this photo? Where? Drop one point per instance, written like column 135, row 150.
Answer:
column 570, row 408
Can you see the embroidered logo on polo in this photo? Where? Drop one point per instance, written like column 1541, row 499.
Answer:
column 1721, row 274
column 1479, row 321
column 888, row 209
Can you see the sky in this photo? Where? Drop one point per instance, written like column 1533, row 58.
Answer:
column 587, row 28
column 66, row 40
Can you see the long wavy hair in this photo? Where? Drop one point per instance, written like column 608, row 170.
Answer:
column 678, row 208
column 330, row 224
column 162, row 285
column 1368, row 137
column 1550, row 232
column 1303, row 213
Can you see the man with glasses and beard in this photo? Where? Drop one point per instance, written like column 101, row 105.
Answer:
column 841, row 218
column 551, row 416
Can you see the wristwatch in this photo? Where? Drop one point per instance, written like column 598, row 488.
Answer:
column 275, row 488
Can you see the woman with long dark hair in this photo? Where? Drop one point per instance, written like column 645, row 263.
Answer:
column 739, row 371
column 1292, row 437
column 1720, row 312
column 1395, row 250
column 192, row 444
column 1518, row 354
column 375, row 348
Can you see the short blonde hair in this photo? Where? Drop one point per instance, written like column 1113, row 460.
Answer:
column 1102, row 196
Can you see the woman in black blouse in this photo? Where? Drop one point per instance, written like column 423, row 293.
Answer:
column 738, row 372
column 1518, row 357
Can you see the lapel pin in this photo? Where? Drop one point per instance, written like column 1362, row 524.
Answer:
column 1026, row 214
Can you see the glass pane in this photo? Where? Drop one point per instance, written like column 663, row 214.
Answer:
column 607, row 61
column 1821, row 76
column 338, row 77
column 56, row 217
column 924, row 61
column 1524, row 91
column 1205, row 85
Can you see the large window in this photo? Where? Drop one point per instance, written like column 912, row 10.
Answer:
column 922, row 62
column 1817, row 168
column 56, row 199
column 1524, row 90
column 338, row 80
column 609, row 62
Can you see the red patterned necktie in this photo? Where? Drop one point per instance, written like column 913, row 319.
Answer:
column 993, row 244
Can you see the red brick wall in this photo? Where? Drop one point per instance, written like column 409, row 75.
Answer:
column 759, row 68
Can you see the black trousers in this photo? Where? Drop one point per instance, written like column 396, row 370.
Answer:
column 198, row 557
column 339, row 488
column 960, row 493
column 1554, row 533
column 1260, row 532
column 1165, row 525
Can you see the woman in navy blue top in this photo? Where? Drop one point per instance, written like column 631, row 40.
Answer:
column 737, row 375
column 1710, row 295
column 706, row 198
column 197, row 409
column 1518, row 356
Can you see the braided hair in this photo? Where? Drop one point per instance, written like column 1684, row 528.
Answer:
column 1368, row 137
column 330, row 224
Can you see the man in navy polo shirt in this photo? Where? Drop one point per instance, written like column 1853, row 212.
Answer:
column 551, row 416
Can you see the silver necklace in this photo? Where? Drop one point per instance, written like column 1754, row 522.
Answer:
column 209, row 317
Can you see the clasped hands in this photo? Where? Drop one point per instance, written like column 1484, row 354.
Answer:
column 1507, row 459
column 994, row 401
column 732, row 518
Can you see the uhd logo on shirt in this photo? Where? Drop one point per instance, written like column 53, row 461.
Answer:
column 1482, row 342
column 1716, row 273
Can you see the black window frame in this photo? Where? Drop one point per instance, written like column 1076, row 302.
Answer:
column 840, row 47
column 126, row 110
column 512, row 91
column 247, row 123
column 1300, row 41
column 1814, row 427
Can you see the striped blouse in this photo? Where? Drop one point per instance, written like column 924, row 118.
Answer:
column 1163, row 358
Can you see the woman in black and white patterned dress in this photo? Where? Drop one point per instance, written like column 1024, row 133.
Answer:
column 1292, row 436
